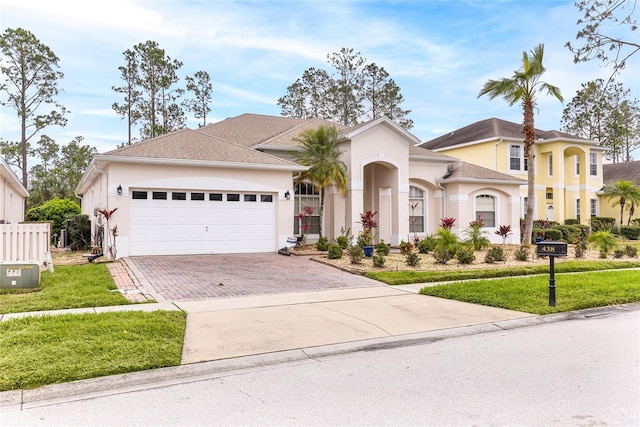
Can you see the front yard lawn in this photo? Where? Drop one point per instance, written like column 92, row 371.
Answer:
column 413, row 276
column 531, row 294
column 37, row 351
column 69, row 286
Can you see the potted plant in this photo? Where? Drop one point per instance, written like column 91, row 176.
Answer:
column 367, row 235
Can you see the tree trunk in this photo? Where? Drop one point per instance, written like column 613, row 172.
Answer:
column 529, row 140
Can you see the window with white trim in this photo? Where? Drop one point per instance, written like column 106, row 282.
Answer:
column 517, row 162
column 577, row 165
column 306, row 195
column 550, row 164
column 416, row 210
column 593, row 164
column 578, row 209
column 594, row 207
column 486, row 209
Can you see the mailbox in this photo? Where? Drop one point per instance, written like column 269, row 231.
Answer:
column 19, row 275
column 552, row 249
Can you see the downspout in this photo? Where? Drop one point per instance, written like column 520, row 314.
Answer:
column 495, row 155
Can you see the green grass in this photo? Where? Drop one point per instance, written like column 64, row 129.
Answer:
column 406, row 277
column 531, row 294
column 70, row 286
column 37, row 351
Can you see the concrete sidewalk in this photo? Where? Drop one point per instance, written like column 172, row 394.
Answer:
column 235, row 327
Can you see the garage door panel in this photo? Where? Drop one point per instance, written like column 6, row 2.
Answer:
column 201, row 226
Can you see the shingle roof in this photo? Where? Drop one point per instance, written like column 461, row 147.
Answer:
column 187, row 144
column 627, row 171
column 416, row 151
column 250, row 130
column 459, row 170
column 490, row 129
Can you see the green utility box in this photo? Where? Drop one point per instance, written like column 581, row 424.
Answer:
column 19, row 275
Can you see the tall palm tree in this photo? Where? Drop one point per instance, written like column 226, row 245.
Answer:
column 623, row 191
column 319, row 151
column 522, row 87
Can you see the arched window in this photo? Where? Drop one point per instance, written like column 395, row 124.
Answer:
column 416, row 210
column 486, row 209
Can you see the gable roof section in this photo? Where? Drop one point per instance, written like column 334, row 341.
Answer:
column 7, row 173
column 490, row 129
column 351, row 132
column 459, row 171
column 627, row 171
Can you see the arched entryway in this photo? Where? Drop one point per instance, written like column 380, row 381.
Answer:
column 380, row 193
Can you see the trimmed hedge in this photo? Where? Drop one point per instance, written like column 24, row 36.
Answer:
column 599, row 223
column 630, row 232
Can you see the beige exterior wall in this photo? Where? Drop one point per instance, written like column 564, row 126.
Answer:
column 377, row 162
column 102, row 191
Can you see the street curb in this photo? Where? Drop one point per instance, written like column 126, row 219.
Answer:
column 116, row 384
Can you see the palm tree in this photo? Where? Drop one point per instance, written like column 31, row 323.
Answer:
column 522, row 87
column 623, row 191
column 319, row 151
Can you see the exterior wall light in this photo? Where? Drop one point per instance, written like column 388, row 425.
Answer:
column 119, row 189
column 287, row 195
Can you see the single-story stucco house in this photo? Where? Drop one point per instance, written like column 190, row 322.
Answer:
column 12, row 195
column 613, row 172
column 229, row 187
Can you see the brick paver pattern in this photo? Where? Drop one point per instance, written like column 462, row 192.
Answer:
column 192, row 277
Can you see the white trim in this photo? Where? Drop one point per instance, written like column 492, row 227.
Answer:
column 496, row 204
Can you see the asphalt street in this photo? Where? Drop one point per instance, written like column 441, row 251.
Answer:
column 575, row 372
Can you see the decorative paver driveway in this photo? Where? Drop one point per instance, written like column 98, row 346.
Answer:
column 191, row 277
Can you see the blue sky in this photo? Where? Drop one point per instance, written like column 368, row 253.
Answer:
column 439, row 52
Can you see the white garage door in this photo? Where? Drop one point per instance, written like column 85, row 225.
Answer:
column 168, row 222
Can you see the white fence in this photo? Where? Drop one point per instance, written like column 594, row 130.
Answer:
column 25, row 242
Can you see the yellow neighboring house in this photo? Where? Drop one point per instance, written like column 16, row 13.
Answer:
column 568, row 169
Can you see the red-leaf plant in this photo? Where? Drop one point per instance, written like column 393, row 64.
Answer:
column 368, row 224
column 504, row 231
column 107, row 214
column 447, row 223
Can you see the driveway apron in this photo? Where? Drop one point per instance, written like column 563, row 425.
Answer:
column 194, row 277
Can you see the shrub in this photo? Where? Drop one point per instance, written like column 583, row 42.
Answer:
column 630, row 232
column 465, row 254
column 356, row 253
column 405, row 247
column 552, row 234
column 522, row 253
column 580, row 248
column 570, row 233
column 618, row 253
column 322, row 244
column 427, row 244
column 494, row 254
column 378, row 260
column 413, row 259
column 447, row 240
column 605, row 241
column 442, row 255
column 572, row 221
column 79, row 229
column 631, row 251
column 382, row 248
column 55, row 210
column 344, row 238
column 476, row 235
column 334, row 251
column 602, row 223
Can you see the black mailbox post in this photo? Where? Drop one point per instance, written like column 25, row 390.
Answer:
column 552, row 250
